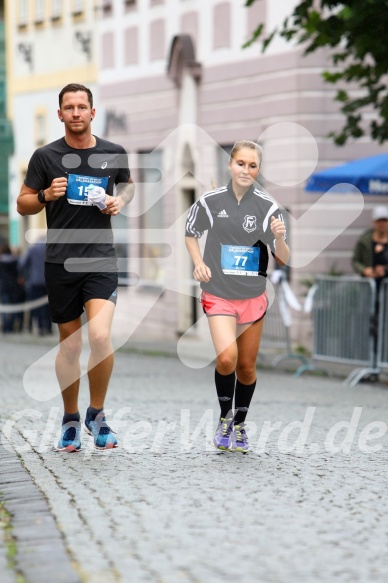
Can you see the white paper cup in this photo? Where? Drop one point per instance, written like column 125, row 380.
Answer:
column 97, row 196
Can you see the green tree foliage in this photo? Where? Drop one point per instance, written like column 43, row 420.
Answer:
column 355, row 32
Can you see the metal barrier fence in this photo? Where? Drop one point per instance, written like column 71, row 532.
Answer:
column 342, row 312
column 13, row 317
column 382, row 351
column 23, row 306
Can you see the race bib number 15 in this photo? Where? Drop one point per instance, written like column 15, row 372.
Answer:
column 76, row 187
column 240, row 260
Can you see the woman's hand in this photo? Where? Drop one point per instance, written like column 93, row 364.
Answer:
column 282, row 252
column 202, row 272
column 278, row 228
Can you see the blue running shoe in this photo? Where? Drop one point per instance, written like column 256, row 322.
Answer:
column 222, row 438
column 70, row 439
column 239, row 439
column 102, row 434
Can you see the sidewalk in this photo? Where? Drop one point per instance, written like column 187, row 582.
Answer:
column 168, row 508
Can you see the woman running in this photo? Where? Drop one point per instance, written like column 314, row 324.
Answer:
column 242, row 223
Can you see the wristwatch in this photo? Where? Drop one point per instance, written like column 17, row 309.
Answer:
column 42, row 197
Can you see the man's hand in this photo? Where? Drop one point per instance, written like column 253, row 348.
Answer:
column 57, row 189
column 114, row 204
column 125, row 193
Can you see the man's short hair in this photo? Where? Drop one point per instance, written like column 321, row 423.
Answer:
column 74, row 87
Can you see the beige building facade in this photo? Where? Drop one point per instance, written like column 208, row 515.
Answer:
column 176, row 75
column 174, row 86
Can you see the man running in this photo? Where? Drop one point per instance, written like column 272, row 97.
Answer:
column 80, row 263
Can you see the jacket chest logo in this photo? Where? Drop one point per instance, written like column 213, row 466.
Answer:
column 249, row 224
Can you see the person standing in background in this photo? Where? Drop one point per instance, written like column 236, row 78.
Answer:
column 11, row 290
column 370, row 255
column 31, row 269
column 370, row 259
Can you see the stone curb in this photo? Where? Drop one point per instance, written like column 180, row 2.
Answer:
column 41, row 556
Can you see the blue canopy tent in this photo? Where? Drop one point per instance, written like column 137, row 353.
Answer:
column 369, row 175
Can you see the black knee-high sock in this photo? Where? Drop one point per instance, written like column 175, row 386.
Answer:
column 242, row 400
column 225, row 391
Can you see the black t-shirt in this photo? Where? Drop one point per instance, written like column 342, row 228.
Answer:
column 77, row 229
column 239, row 234
column 380, row 253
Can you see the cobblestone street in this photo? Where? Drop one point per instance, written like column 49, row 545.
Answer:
column 308, row 503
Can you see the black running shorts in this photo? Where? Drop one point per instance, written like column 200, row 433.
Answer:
column 69, row 291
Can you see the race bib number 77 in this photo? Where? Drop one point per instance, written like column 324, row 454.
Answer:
column 240, row 260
